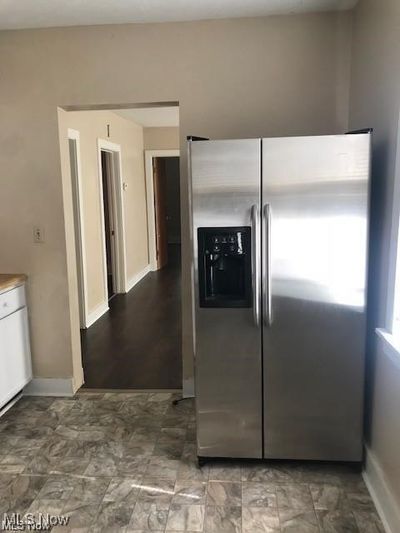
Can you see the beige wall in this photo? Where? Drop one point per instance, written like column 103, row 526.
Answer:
column 375, row 97
column 268, row 76
column 161, row 138
column 92, row 125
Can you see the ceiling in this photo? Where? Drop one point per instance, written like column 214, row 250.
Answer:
column 17, row 14
column 151, row 117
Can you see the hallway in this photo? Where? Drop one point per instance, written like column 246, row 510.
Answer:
column 137, row 344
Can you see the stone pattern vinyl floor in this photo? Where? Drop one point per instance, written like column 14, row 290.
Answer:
column 127, row 462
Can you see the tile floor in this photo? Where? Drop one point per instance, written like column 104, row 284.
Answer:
column 127, row 462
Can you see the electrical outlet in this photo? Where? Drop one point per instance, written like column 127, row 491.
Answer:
column 38, row 235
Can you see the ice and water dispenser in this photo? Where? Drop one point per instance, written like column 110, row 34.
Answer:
column 225, row 267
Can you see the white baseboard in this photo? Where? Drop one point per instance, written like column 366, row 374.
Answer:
column 96, row 313
column 188, row 388
column 50, row 387
column 137, row 277
column 388, row 508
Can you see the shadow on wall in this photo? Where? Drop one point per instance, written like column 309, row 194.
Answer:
column 375, row 268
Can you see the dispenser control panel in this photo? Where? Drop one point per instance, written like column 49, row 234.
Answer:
column 224, row 266
column 231, row 243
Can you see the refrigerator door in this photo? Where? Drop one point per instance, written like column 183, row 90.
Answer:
column 226, row 193
column 315, row 234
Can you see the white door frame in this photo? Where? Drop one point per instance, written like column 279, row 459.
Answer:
column 151, row 216
column 79, row 228
column 118, row 209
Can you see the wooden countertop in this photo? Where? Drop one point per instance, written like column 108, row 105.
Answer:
column 10, row 281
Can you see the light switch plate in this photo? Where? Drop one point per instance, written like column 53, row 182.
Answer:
column 38, row 235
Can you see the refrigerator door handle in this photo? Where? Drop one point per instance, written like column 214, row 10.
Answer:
column 267, row 265
column 255, row 263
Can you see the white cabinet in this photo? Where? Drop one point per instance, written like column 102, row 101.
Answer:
column 15, row 355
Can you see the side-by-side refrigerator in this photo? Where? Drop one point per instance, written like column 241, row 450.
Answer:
column 280, row 242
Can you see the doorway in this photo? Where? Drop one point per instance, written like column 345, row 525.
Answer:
column 131, row 336
column 167, row 212
column 163, row 205
column 109, row 220
column 112, row 218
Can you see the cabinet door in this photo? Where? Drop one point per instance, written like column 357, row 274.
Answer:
column 15, row 357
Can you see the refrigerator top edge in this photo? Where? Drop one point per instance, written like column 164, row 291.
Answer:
column 222, row 141
column 331, row 136
column 280, row 137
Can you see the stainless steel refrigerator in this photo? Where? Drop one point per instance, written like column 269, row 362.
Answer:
column 280, row 241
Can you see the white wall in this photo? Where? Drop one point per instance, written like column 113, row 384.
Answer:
column 375, row 98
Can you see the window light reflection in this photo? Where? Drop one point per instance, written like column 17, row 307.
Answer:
column 321, row 258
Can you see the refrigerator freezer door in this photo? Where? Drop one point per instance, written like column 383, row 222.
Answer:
column 316, row 190
column 226, row 192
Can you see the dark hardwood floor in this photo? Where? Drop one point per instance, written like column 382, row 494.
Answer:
column 137, row 344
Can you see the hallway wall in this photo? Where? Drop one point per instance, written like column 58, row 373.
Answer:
column 92, row 125
column 266, row 76
column 161, row 138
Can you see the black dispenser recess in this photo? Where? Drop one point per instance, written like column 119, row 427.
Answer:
column 224, row 256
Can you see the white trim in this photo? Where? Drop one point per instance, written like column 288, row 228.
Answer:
column 78, row 381
column 120, row 219
column 120, row 273
column 390, row 345
column 79, row 228
column 136, row 278
column 97, row 313
column 49, row 387
column 387, row 506
column 151, row 224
